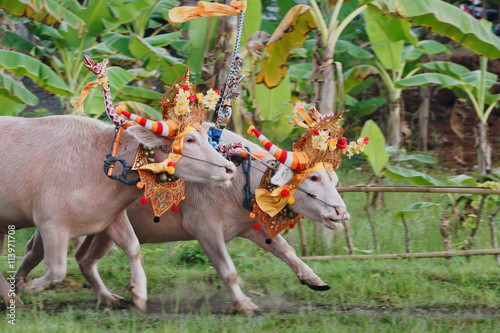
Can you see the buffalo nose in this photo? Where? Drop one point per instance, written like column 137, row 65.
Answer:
column 342, row 212
column 231, row 170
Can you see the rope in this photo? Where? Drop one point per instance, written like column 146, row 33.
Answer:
column 262, row 171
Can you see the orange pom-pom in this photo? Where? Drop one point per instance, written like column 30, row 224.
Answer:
column 170, row 170
column 290, row 200
column 252, row 215
column 140, row 185
column 250, row 130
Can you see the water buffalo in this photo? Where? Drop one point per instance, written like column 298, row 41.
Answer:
column 215, row 216
column 52, row 179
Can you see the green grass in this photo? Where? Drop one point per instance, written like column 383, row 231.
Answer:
column 420, row 295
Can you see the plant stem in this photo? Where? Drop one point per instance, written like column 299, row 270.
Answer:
column 320, row 22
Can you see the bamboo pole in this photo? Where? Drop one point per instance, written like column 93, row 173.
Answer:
column 372, row 225
column 348, row 237
column 407, row 234
column 303, row 238
column 472, row 238
column 445, row 229
column 416, row 189
column 440, row 254
column 494, row 241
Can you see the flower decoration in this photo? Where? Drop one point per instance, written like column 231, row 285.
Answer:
column 342, row 143
column 182, row 103
column 211, row 99
column 319, row 140
column 199, row 98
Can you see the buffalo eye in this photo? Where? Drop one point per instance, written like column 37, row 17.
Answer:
column 314, row 178
column 189, row 140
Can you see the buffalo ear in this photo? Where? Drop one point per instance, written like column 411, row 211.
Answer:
column 148, row 138
column 282, row 176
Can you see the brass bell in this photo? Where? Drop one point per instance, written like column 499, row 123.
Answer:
column 291, row 215
column 151, row 160
column 146, row 153
column 152, row 153
column 163, row 177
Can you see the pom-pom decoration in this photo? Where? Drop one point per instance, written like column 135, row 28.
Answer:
column 144, row 201
column 170, row 170
column 285, row 193
column 256, row 227
column 175, row 208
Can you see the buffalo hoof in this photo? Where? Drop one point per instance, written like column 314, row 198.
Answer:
column 246, row 307
column 140, row 303
column 321, row 287
column 114, row 301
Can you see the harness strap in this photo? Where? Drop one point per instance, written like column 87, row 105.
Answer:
column 247, row 202
column 111, row 159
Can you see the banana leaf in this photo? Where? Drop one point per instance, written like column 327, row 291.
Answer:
column 20, row 64
column 49, row 12
column 443, row 19
column 15, row 91
column 290, row 34
column 374, row 151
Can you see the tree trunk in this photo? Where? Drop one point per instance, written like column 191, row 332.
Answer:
column 394, row 129
column 483, row 149
column 327, row 90
column 423, row 118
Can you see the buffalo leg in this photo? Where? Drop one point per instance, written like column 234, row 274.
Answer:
column 90, row 251
column 212, row 242
column 280, row 248
column 32, row 257
column 121, row 232
column 55, row 246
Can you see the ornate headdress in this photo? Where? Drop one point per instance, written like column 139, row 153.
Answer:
column 322, row 147
column 188, row 110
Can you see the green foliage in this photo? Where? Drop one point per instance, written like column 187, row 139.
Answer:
column 374, row 150
column 190, row 254
column 443, row 19
column 412, row 209
column 415, row 177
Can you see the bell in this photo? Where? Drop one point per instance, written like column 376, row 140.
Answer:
column 151, row 160
column 291, row 215
column 152, row 153
column 163, row 177
column 146, row 153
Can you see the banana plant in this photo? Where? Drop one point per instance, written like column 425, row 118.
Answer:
column 293, row 31
column 65, row 30
column 395, row 59
column 472, row 85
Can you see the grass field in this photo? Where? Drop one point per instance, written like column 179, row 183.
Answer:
column 185, row 294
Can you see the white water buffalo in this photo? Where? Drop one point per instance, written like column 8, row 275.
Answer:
column 51, row 171
column 215, row 216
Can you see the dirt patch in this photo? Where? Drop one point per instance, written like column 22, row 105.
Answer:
column 218, row 302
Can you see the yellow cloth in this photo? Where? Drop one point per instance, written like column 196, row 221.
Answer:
column 177, row 147
column 185, row 13
column 273, row 202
